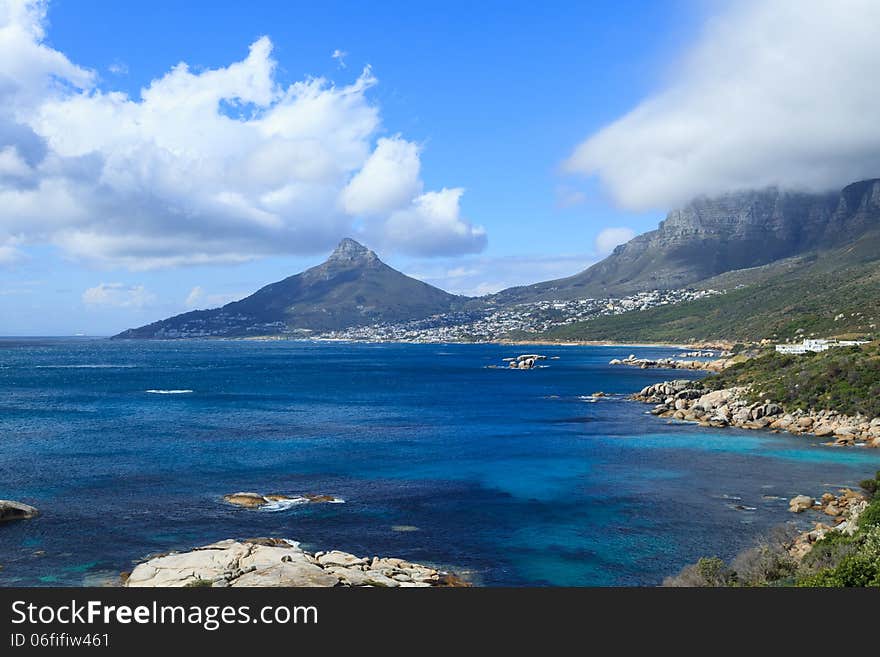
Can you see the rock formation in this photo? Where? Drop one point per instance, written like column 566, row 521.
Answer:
column 11, row 510
column 274, row 562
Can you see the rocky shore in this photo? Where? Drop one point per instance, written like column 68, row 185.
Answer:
column 683, row 400
column 673, row 364
column 844, row 508
column 275, row 562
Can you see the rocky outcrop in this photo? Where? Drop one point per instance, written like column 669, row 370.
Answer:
column 524, row 361
column 257, row 500
column 673, row 364
column 845, row 508
column 685, row 401
column 273, row 562
column 11, row 510
column 800, row 503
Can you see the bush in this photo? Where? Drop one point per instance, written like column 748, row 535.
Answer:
column 870, row 486
column 766, row 563
column 859, row 568
column 707, row 572
column 827, row 553
column 870, row 517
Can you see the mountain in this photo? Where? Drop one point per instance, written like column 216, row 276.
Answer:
column 832, row 289
column 711, row 236
column 351, row 288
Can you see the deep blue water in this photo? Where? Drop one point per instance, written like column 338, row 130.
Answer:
column 510, row 476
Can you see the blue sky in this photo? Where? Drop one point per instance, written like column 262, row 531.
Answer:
column 488, row 143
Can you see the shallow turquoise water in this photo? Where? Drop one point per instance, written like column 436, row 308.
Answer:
column 511, row 476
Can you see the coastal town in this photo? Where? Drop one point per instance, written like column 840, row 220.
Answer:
column 490, row 324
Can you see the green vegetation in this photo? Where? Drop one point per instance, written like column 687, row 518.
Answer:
column 844, row 379
column 196, row 583
column 828, row 293
column 837, row 560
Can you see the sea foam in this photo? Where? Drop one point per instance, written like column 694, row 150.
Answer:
column 288, row 503
column 167, row 392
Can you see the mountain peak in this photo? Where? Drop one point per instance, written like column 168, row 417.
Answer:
column 350, row 251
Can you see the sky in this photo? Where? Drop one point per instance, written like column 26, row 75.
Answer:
column 157, row 157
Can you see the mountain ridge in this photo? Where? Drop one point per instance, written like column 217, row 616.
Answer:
column 775, row 243
column 710, row 236
column 353, row 287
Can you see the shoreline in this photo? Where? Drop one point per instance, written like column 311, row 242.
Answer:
column 727, row 407
column 537, row 343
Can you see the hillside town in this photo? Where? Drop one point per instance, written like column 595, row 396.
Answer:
column 490, row 324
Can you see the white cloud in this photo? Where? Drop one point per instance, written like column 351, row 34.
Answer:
column 433, row 225
column 774, row 92
column 198, row 298
column 118, row 68
column 9, row 255
column 608, row 238
column 568, row 197
column 204, row 166
column 388, row 180
column 118, row 295
column 339, row 56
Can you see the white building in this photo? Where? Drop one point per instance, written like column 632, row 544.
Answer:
column 816, row 346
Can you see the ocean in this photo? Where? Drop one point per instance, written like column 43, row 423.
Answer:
column 514, row 478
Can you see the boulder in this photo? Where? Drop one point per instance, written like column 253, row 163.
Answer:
column 337, row 558
column 832, row 510
column 11, row 510
column 800, row 503
column 247, row 500
column 279, row 563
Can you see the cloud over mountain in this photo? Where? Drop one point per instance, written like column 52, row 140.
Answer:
column 216, row 165
column 774, row 92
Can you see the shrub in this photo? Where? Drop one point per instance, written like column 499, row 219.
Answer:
column 870, row 486
column 765, row 563
column 707, row 572
column 870, row 517
column 858, row 568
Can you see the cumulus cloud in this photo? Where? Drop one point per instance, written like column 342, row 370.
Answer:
column 433, row 225
column 773, row 92
column 118, row 295
column 608, row 238
column 203, row 166
column 388, row 180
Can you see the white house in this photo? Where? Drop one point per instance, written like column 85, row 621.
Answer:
column 816, row 346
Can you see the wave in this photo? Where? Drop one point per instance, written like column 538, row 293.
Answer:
column 288, row 503
column 168, row 392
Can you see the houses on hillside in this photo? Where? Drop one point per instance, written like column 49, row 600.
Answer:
column 816, row 345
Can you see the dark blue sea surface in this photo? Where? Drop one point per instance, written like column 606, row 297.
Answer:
column 512, row 477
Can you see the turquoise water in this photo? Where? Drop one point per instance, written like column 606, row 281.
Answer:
column 512, row 477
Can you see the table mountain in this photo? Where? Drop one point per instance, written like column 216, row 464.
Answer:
column 351, row 288
column 711, row 236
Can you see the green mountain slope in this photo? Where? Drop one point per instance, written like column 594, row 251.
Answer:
column 352, row 288
column 826, row 292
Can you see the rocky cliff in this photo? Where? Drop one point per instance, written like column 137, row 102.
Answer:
column 710, row 236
